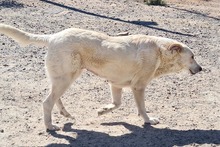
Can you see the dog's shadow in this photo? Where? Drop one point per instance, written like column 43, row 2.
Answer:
column 146, row 136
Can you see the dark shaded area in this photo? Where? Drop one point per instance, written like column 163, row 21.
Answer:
column 149, row 24
column 139, row 137
column 11, row 4
column 155, row 2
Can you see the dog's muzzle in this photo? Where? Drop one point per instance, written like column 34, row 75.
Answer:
column 195, row 70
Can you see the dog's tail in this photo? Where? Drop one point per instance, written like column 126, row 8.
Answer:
column 24, row 38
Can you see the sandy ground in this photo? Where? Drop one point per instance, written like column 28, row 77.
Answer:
column 187, row 106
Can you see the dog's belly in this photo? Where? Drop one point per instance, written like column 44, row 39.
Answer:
column 121, row 84
column 115, row 76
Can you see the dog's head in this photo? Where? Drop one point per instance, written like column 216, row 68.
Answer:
column 185, row 57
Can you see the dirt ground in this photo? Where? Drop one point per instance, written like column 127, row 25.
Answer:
column 187, row 106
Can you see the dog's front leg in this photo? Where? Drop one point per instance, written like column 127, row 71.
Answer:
column 139, row 99
column 116, row 101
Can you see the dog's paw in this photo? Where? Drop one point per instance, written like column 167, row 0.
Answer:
column 101, row 111
column 53, row 128
column 106, row 109
column 153, row 121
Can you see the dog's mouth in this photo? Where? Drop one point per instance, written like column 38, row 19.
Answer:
column 192, row 73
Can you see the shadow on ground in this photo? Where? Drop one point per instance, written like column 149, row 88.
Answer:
column 11, row 4
column 149, row 24
column 139, row 137
column 195, row 13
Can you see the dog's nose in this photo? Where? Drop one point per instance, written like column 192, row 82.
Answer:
column 200, row 68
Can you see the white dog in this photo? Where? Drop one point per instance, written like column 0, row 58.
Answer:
column 125, row 61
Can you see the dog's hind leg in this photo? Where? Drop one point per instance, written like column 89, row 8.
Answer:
column 59, row 103
column 75, row 64
column 59, row 86
column 116, row 101
column 63, row 69
column 62, row 109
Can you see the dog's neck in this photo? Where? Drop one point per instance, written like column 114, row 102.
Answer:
column 167, row 65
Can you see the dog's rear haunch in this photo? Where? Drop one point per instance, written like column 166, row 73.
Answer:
column 125, row 61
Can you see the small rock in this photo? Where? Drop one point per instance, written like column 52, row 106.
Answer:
column 5, row 65
column 40, row 133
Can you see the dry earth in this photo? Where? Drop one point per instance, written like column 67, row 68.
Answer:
column 187, row 106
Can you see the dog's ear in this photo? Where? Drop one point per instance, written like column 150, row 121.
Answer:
column 175, row 48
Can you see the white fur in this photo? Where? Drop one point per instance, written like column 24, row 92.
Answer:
column 125, row 61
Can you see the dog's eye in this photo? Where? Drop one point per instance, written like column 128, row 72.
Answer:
column 192, row 57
